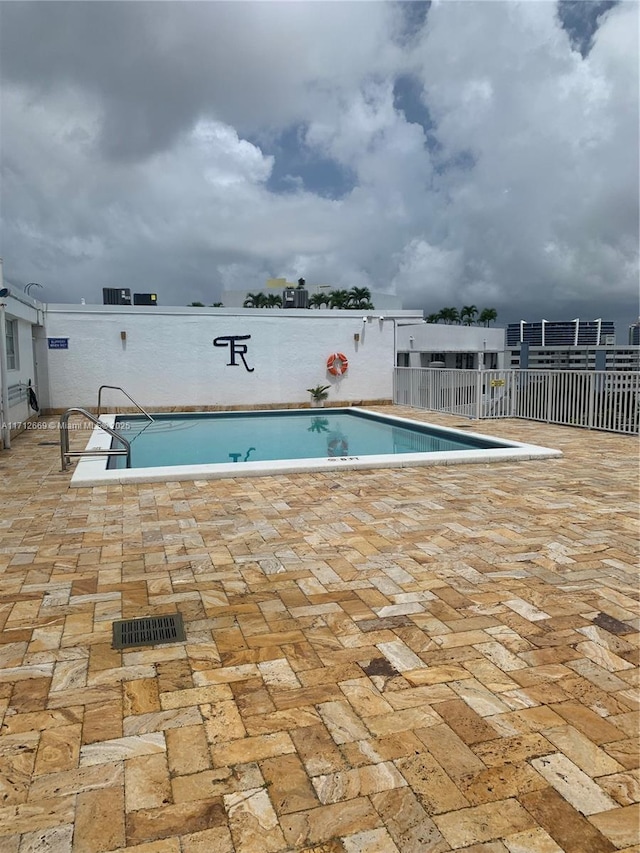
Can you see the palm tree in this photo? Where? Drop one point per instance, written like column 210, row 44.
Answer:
column 217, row 305
column 318, row 300
column 273, row 300
column 487, row 315
column 449, row 315
column 339, row 299
column 318, row 425
column 195, row 305
column 254, row 300
column 360, row 298
column 433, row 318
column 468, row 314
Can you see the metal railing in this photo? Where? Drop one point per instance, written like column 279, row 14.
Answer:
column 118, row 388
column 67, row 454
column 603, row 400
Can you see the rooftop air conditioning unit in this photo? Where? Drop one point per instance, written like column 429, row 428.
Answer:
column 145, row 299
column 301, row 298
column 295, row 297
column 116, row 296
column 289, row 297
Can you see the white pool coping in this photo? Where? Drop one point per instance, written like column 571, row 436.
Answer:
column 92, row 470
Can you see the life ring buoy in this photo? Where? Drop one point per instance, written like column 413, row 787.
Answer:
column 337, row 364
column 338, row 447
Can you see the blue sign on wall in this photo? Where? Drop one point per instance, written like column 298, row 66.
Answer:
column 58, row 343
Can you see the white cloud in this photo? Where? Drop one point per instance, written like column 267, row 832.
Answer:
column 430, row 270
column 554, row 142
column 134, row 165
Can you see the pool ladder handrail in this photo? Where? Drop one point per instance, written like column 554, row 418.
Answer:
column 118, row 388
column 67, row 454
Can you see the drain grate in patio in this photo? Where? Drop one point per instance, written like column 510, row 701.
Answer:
column 149, row 631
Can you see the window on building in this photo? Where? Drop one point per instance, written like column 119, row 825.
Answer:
column 12, row 344
column 428, row 358
column 491, row 361
column 465, row 361
column 403, row 359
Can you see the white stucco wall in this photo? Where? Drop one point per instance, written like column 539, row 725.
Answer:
column 26, row 314
column 168, row 357
column 25, row 371
column 440, row 338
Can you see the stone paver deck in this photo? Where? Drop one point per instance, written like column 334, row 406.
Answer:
column 421, row 659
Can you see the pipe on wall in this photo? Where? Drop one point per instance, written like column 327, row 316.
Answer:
column 5, row 430
column 4, row 386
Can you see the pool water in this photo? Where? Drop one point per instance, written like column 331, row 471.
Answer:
column 238, row 437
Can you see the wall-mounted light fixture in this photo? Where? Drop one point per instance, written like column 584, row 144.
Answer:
column 123, row 336
column 356, row 337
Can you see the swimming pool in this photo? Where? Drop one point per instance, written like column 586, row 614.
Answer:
column 215, row 438
column 211, row 445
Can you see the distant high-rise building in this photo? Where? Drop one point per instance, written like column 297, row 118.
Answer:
column 566, row 333
column 571, row 345
column 634, row 334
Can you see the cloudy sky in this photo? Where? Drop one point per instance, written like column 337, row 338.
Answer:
column 454, row 153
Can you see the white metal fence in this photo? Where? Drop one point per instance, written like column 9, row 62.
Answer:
column 605, row 400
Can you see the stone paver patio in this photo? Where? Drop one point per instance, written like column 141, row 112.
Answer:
column 420, row 659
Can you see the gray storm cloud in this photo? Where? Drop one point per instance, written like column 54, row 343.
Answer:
column 137, row 150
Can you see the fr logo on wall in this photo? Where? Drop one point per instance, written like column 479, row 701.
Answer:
column 236, row 350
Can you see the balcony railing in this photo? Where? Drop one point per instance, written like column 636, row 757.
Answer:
column 603, row 400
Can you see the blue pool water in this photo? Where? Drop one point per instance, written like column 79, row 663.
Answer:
column 206, row 438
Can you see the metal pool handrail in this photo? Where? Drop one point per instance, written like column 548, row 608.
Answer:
column 66, row 454
column 118, row 388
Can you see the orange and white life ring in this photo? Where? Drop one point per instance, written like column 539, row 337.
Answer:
column 338, row 447
column 337, row 364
